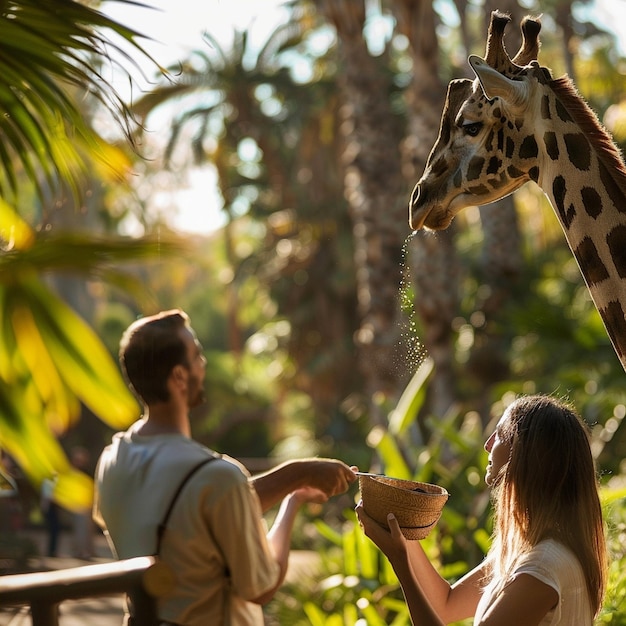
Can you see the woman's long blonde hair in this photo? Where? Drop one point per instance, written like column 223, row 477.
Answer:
column 548, row 489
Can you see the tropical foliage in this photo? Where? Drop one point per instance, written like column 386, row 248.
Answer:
column 313, row 277
column 52, row 361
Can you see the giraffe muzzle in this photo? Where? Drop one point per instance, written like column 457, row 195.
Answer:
column 416, row 215
column 419, row 207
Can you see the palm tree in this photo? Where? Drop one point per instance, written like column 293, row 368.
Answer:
column 305, row 257
column 501, row 260
column 51, row 360
column 433, row 260
column 216, row 89
column 376, row 197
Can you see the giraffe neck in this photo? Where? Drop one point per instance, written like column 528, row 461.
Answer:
column 584, row 176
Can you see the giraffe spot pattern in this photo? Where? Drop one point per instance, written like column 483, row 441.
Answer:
column 514, row 172
column 616, row 240
column 612, row 188
column 615, row 323
column 545, row 108
column 501, row 140
column 562, row 112
column 494, row 165
column 489, row 141
column 479, row 190
column 499, row 181
column 529, row 149
column 558, row 189
column 458, row 179
column 589, row 259
column 578, row 150
column 533, row 172
column 591, row 201
column 510, row 147
column 552, row 147
column 475, row 168
column 440, row 166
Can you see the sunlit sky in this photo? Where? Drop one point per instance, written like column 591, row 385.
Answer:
column 176, row 26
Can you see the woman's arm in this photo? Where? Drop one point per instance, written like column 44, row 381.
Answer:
column 451, row 602
column 429, row 597
column 279, row 536
column 523, row 602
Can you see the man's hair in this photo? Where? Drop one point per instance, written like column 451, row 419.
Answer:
column 149, row 349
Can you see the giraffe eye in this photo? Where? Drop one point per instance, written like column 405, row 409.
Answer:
column 472, row 128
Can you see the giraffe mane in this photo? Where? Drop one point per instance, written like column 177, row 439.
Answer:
column 590, row 125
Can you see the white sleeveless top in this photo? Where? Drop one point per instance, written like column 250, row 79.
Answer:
column 555, row 565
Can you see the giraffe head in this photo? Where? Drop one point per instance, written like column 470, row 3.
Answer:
column 485, row 149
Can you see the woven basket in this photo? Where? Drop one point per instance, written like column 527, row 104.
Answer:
column 417, row 506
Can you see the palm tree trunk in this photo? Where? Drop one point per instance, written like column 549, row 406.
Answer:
column 377, row 202
column 501, row 261
column 432, row 258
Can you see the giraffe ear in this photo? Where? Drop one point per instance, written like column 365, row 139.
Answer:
column 496, row 85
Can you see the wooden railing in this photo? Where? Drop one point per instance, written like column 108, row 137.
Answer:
column 143, row 578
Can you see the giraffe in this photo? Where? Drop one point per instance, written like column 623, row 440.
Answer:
column 512, row 124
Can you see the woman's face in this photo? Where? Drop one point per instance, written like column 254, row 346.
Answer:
column 499, row 452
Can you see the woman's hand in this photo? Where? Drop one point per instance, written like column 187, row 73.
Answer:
column 396, row 548
column 391, row 542
column 309, row 494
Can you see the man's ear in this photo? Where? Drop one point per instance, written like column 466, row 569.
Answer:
column 179, row 374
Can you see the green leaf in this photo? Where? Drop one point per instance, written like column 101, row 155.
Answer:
column 45, row 48
column 411, row 400
column 350, row 560
column 315, row 614
column 81, row 359
column 328, row 533
column 367, row 554
column 387, row 448
column 370, row 612
column 25, row 435
column 610, row 495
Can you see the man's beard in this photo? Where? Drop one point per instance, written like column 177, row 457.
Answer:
column 196, row 395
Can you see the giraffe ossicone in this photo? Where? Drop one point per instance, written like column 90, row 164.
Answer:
column 512, row 124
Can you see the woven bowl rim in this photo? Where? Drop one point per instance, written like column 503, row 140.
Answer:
column 417, row 512
column 395, row 483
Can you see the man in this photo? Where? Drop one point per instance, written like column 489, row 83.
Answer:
column 226, row 565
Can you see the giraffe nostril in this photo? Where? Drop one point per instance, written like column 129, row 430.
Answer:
column 418, row 196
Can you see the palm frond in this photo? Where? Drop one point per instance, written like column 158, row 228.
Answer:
column 45, row 46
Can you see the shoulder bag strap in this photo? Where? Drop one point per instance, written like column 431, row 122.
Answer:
column 161, row 527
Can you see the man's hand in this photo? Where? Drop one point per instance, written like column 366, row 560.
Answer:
column 329, row 476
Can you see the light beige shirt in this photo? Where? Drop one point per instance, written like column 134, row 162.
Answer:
column 216, row 539
column 555, row 565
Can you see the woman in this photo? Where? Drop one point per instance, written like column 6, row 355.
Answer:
column 547, row 563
